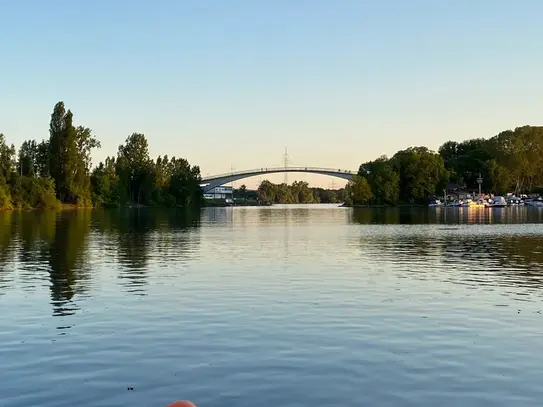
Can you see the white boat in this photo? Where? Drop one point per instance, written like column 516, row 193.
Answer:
column 514, row 201
column 498, row 202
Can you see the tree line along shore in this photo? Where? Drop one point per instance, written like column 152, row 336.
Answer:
column 57, row 172
column 510, row 162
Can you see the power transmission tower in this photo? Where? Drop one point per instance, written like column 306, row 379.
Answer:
column 285, row 162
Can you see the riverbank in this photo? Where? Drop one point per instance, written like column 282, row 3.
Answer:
column 402, row 205
column 207, row 204
column 224, row 204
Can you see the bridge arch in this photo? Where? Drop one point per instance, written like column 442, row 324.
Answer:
column 211, row 182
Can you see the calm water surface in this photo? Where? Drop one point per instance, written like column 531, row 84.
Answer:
column 257, row 307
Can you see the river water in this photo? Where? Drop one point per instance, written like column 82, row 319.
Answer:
column 258, row 307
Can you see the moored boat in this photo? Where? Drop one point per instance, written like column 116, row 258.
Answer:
column 498, row 202
column 534, row 202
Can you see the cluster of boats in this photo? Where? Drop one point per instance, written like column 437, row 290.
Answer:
column 493, row 202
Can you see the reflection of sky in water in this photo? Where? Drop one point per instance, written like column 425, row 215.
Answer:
column 260, row 305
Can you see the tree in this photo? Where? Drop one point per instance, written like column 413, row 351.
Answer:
column 134, row 165
column 7, row 159
column 243, row 191
column 384, row 181
column 42, row 159
column 498, row 177
column 185, row 183
column 422, row 173
column 61, row 167
column 105, row 184
column 509, row 162
column 86, row 142
column 359, row 190
column 267, row 191
column 28, row 158
column 69, row 156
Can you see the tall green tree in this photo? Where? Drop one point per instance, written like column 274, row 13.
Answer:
column 422, row 173
column 134, row 166
column 42, row 159
column 185, row 182
column 61, row 167
column 267, row 191
column 508, row 162
column 28, row 158
column 69, row 156
column 106, row 188
column 7, row 159
column 359, row 191
column 383, row 179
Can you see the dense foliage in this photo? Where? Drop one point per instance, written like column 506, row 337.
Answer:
column 133, row 177
column 57, row 171
column 297, row 192
column 508, row 162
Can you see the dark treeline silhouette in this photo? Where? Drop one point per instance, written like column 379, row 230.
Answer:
column 57, row 170
column 298, row 192
column 508, row 162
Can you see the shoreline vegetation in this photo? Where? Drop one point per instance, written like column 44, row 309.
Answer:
column 56, row 173
column 509, row 162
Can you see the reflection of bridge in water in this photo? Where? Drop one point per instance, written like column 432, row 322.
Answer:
column 211, row 182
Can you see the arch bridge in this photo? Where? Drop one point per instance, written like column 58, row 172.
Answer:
column 211, row 182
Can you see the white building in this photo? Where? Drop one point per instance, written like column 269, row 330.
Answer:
column 223, row 192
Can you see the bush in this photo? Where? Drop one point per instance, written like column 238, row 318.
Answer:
column 5, row 198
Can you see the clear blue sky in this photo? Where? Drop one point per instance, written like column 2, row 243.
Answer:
column 226, row 83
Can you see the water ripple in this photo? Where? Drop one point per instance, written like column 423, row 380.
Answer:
column 297, row 306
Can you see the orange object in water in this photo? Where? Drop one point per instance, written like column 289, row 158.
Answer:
column 183, row 403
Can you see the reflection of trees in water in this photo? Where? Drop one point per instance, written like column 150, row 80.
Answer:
column 368, row 216
column 7, row 232
column 46, row 243
column 68, row 259
column 36, row 231
column 176, row 237
column 54, row 246
column 142, row 235
column 418, row 215
column 133, row 230
column 516, row 259
column 221, row 215
column 265, row 215
column 25, row 236
column 286, row 215
column 298, row 215
column 488, row 259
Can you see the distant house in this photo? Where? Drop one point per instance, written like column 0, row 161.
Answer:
column 458, row 192
column 221, row 192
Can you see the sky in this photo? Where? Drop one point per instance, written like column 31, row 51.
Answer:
column 230, row 84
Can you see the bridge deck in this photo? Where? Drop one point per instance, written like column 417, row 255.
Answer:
column 279, row 169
